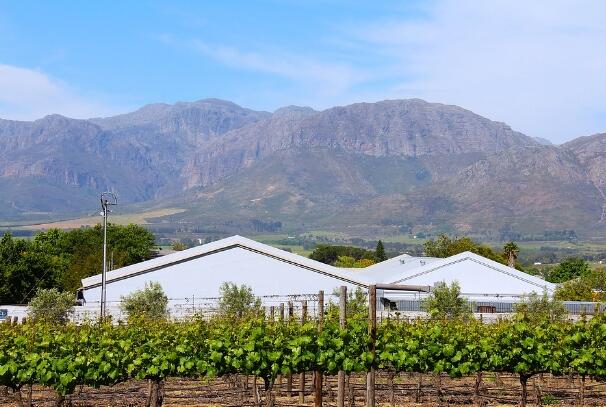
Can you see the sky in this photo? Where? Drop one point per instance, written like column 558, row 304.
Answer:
column 539, row 66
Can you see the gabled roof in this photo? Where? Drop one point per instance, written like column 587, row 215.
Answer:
column 459, row 260
column 390, row 269
column 398, row 270
column 220, row 246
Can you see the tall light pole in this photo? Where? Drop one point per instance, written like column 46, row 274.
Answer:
column 107, row 199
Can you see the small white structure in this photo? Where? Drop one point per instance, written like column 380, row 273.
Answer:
column 197, row 273
column 476, row 275
column 483, row 281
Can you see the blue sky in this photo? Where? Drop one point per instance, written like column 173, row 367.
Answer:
column 539, row 66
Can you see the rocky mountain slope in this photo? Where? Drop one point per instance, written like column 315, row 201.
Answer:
column 591, row 153
column 58, row 165
column 403, row 128
column 387, row 166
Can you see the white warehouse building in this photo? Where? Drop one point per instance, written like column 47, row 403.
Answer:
column 199, row 272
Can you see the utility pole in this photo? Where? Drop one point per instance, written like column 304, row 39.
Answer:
column 107, row 199
column 372, row 334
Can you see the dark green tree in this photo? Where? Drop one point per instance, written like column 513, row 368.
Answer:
column 445, row 246
column 380, row 252
column 330, row 254
column 61, row 259
column 85, row 264
column 135, row 242
column 24, row 269
column 80, row 250
column 570, row 268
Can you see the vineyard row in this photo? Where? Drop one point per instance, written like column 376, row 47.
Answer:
column 63, row 357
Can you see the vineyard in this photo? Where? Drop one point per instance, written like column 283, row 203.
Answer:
column 275, row 357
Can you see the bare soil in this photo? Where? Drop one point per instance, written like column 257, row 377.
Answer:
column 406, row 390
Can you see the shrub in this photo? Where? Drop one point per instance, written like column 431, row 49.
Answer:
column 350, row 262
column 445, row 302
column 237, row 301
column 357, row 305
column 538, row 308
column 148, row 303
column 178, row 246
column 51, row 306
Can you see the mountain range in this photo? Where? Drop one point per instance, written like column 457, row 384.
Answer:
column 396, row 166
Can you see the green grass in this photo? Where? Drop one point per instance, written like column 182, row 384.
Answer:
column 326, row 234
column 407, row 239
column 300, row 250
column 562, row 245
column 268, row 237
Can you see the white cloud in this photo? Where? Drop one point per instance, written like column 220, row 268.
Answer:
column 327, row 78
column 537, row 65
column 27, row 94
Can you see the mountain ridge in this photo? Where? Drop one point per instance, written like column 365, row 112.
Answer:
column 374, row 166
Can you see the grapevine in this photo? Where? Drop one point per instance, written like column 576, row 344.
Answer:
column 64, row 357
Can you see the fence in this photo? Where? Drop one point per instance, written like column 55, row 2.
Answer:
column 293, row 306
column 492, row 306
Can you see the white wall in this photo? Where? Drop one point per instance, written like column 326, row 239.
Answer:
column 18, row 311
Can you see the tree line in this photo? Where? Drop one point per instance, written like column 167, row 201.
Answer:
column 61, row 259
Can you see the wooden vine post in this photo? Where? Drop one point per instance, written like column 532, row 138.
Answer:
column 342, row 323
column 318, row 373
column 302, row 374
column 372, row 336
column 281, row 316
column 281, row 312
column 291, row 312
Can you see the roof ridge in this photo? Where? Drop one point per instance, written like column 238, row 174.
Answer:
column 227, row 243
